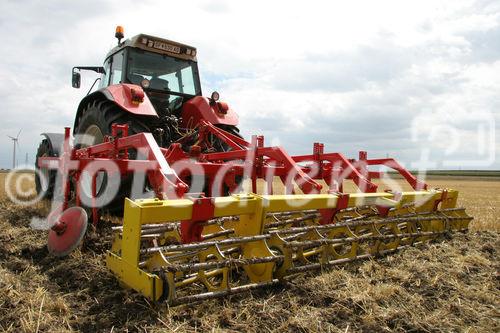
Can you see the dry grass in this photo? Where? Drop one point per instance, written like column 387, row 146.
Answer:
column 20, row 184
column 450, row 285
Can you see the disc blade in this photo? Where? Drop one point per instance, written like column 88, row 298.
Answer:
column 64, row 242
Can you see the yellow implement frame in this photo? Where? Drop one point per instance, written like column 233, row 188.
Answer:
column 124, row 258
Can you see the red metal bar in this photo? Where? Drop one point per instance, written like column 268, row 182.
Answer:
column 391, row 163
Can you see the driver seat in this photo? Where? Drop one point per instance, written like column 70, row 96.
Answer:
column 160, row 101
column 158, row 84
column 135, row 78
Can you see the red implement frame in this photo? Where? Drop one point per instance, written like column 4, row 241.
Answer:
column 168, row 169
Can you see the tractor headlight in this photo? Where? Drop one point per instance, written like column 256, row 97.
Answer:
column 145, row 83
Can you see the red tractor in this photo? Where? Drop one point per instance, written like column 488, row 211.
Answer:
column 152, row 85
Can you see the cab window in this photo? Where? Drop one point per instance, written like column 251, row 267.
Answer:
column 116, row 68
column 105, row 77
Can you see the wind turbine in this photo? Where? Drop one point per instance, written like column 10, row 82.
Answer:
column 15, row 141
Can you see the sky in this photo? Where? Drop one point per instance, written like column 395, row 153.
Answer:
column 418, row 81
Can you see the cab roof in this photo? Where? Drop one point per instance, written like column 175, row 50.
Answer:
column 157, row 45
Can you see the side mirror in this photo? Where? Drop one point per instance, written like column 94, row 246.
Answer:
column 214, row 98
column 76, row 80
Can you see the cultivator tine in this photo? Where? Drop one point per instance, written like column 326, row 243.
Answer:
column 311, row 267
column 232, row 262
column 291, row 221
column 224, row 293
column 204, row 245
column 218, row 234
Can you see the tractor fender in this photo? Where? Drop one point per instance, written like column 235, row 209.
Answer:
column 56, row 141
column 121, row 95
column 201, row 108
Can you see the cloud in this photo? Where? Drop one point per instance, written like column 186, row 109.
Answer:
column 216, row 6
column 354, row 75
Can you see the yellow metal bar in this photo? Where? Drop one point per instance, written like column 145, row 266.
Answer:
column 160, row 211
column 235, row 205
column 132, row 220
column 150, row 285
column 126, row 266
column 283, row 203
column 451, row 199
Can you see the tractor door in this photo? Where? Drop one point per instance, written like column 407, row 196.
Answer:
column 114, row 70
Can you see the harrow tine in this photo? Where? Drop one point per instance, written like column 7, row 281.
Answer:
column 361, row 223
column 363, row 238
column 292, row 221
column 158, row 230
column 218, row 234
column 310, row 267
column 168, row 225
column 220, row 264
column 203, row 245
column 223, row 293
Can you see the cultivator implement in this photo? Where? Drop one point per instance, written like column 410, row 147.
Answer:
column 226, row 215
column 183, row 246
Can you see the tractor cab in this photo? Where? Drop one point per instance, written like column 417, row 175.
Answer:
column 152, row 84
column 166, row 70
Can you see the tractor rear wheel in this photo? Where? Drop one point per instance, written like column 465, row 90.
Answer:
column 93, row 125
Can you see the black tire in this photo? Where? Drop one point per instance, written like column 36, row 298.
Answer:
column 105, row 113
column 101, row 115
column 223, row 147
column 231, row 129
column 45, row 187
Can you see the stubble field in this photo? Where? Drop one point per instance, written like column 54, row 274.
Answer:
column 448, row 285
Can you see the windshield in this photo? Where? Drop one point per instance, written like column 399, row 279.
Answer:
column 163, row 72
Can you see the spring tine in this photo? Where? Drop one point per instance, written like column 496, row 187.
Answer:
column 361, row 223
column 363, row 238
column 219, row 264
column 310, row 267
column 150, row 226
column 223, row 293
column 218, row 234
column 158, row 229
column 203, row 245
column 291, row 221
column 230, row 251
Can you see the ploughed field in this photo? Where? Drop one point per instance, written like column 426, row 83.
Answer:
column 448, row 285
